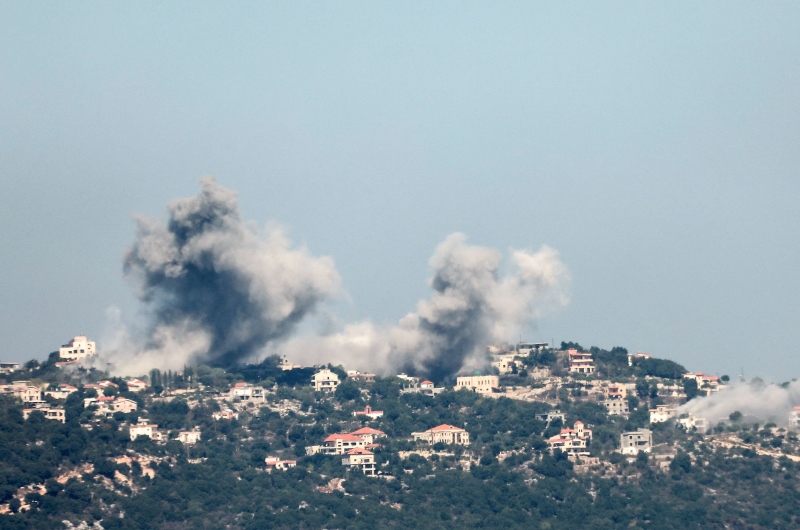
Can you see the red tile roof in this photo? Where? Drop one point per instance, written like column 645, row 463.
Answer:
column 344, row 438
column 445, row 427
column 367, row 430
column 359, row 451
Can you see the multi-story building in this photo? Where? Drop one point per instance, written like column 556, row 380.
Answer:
column 369, row 435
column 189, row 437
column 572, row 441
column 482, row 384
column 325, row 381
column 225, row 414
column 136, row 385
column 506, row 363
column 76, row 349
column 246, row 392
column 580, row 362
column 337, row 444
column 360, row 459
column 661, row 413
column 61, row 392
column 355, row 375
column 50, row 413
column 690, row 422
column 443, row 433
column 143, row 428
column 630, row 443
column 23, row 391
column 8, row 368
column 706, row 382
column 616, row 407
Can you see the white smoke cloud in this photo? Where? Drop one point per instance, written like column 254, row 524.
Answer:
column 757, row 401
column 472, row 305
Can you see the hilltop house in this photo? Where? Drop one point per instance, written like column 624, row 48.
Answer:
column 143, row 428
column 50, row 413
column 325, row 381
column 617, row 407
column 337, row 444
column 355, row 375
column 61, row 392
column 136, row 385
column 580, row 362
column 371, row 414
column 443, row 433
column 413, row 386
column 23, row 391
column 77, row 349
column 8, row 368
column 246, row 392
column 276, row 463
column 661, row 414
column 706, row 382
column 690, row 422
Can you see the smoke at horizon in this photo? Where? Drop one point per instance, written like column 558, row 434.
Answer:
column 756, row 400
column 216, row 290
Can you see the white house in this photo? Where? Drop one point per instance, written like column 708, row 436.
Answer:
column 690, row 422
column 225, row 414
column 572, row 441
column 443, row 433
column 368, row 434
column 661, row 413
column 8, row 368
column 337, row 444
column 62, row 392
column 371, row 414
column 143, row 429
column 78, row 348
column 580, row 362
column 50, row 413
column 276, row 463
column 246, row 392
column 189, row 437
column 616, row 407
column 136, row 385
column 325, row 381
column 482, row 384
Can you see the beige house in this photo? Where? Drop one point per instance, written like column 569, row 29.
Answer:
column 337, row 444
column 360, row 459
column 23, row 391
column 325, row 381
column 8, row 368
column 143, row 428
column 371, row 414
column 690, row 422
column 630, row 443
column 572, row 441
column 580, row 362
column 78, row 348
column 246, row 392
column 225, row 414
column 661, row 413
column 482, row 384
column 369, row 434
column 506, row 362
column 616, row 407
column 136, row 385
column 62, row 392
column 443, row 433
column 50, row 413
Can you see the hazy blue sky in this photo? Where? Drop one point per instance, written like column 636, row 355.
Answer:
column 655, row 145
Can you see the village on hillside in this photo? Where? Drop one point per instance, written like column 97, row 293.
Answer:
column 597, row 409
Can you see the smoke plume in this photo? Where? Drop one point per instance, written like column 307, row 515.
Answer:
column 756, row 400
column 472, row 305
column 215, row 289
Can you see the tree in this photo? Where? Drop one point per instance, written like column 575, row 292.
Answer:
column 735, row 416
column 642, row 388
column 725, row 378
column 690, row 387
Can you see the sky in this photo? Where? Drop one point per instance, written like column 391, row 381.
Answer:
column 653, row 145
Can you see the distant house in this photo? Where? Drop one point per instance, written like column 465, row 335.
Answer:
column 413, row 386
column 630, row 443
column 661, row 413
column 287, row 365
column 8, row 368
column 795, row 417
column 710, row 383
column 443, row 433
column 372, row 414
column 360, row 459
column 189, row 437
column 77, row 349
column 506, row 363
column 50, row 413
column 23, row 391
column 337, row 444
column 61, row 392
column 572, row 441
column 616, row 407
column 325, row 381
column 143, row 428
column 276, row 463
column 136, row 385
column 690, row 422
column 100, row 386
column 368, row 434
column 639, row 355
column 552, row 415
column 580, row 362
column 482, row 384
column 225, row 414
column 124, row 405
column 246, row 392
column 355, row 375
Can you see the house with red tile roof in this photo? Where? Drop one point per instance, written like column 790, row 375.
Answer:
column 337, row 444
column 572, row 441
column 369, row 434
column 360, row 459
column 276, row 463
column 372, row 414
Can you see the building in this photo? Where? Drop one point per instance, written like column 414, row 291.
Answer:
column 124, row 405
column 616, row 407
column 287, row 365
column 276, row 463
column 482, row 384
column 639, row 355
column 661, row 413
column 360, row 459
column 506, row 363
column 552, row 415
column 355, row 375
column 369, row 435
column 189, row 437
column 710, row 383
column 246, row 392
column 100, row 386
column 325, row 381
column 415, row 387
column 572, row 441
column 690, row 422
column 337, row 444
column 8, row 368
column 61, row 392
column 794, row 418
column 77, row 349
column 50, row 413
column 136, row 385
column 616, row 391
column 145, row 429
column 525, row 348
column 225, row 414
column 580, row 362
column 443, row 433
column 371, row 414
column 630, row 443
column 23, row 391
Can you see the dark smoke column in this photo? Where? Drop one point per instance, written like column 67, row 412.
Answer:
column 213, row 282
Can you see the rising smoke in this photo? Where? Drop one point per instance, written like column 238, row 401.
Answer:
column 756, row 400
column 472, row 305
column 215, row 289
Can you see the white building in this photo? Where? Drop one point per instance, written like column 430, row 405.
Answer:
column 572, row 441
column 78, row 348
column 8, row 368
column 50, row 413
column 661, row 413
column 189, row 437
column 143, row 428
column 337, row 444
column 276, row 463
column 23, row 391
column 62, row 392
column 325, row 381
column 136, row 385
column 368, row 412
column 246, row 392
column 690, row 422
column 369, row 435
column 443, row 433
column 506, row 362
column 360, row 459
column 482, row 384
column 225, row 414
column 630, row 443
